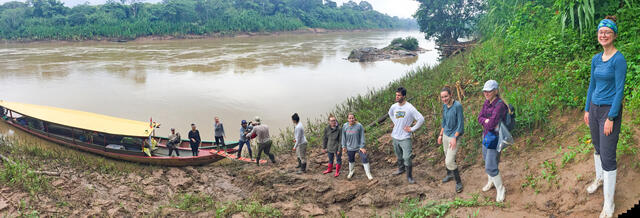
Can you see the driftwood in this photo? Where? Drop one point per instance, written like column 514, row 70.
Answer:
column 448, row 50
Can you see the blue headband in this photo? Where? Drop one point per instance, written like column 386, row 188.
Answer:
column 608, row 23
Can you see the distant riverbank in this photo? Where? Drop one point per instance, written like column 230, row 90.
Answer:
column 205, row 36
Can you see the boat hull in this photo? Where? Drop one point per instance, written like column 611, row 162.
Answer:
column 204, row 157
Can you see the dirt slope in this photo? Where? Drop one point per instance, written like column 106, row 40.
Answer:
column 151, row 191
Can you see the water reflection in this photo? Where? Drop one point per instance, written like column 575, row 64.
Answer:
column 190, row 81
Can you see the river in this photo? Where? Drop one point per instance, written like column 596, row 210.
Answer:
column 179, row 82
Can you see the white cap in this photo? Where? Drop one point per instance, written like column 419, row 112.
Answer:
column 256, row 119
column 490, row 85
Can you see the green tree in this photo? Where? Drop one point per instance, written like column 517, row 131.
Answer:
column 365, row 6
column 448, row 20
column 331, row 4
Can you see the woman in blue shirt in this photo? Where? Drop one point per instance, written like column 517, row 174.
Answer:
column 603, row 110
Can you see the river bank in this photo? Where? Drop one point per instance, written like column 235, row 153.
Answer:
column 160, row 38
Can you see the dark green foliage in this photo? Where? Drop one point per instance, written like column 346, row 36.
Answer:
column 448, row 20
column 50, row 19
column 408, row 43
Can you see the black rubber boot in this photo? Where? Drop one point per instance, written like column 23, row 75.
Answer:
column 409, row 175
column 400, row 169
column 258, row 160
column 456, row 175
column 299, row 163
column 302, row 169
column 448, row 177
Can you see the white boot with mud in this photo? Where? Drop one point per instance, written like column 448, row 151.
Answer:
column 351, row 166
column 489, row 184
column 597, row 182
column 367, row 171
column 609, row 190
column 500, row 190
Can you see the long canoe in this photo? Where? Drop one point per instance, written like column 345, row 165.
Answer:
column 112, row 137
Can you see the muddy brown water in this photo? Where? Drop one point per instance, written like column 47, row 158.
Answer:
column 179, row 82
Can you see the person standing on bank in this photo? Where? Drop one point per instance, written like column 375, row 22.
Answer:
column 173, row 141
column 353, row 142
column 218, row 131
column 402, row 113
column 452, row 129
column 603, row 111
column 331, row 144
column 493, row 111
column 194, row 140
column 263, row 139
column 244, row 129
column 300, row 144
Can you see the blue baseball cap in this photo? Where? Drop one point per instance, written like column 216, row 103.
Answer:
column 243, row 122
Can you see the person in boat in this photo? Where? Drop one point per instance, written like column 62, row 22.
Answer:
column 403, row 114
column 300, row 143
column 331, row 144
column 174, row 141
column 353, row 142
column 603, row 111
column 493, row 111
column 218, row 132
column 263, row 139
column 194, row 140
column 450, row 132
column 244, row 140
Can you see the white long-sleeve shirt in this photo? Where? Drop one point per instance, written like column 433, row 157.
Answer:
column 403, row 116
column 298, row 134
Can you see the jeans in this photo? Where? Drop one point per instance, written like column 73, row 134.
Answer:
column 352, row 156
column 241, row 144
column 491, row 159
column 338, row 156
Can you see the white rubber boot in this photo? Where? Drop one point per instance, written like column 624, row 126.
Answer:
column 367, row 171
column 500, row 190
column 351, row 165
column 489, row 184
column 609, row 190
column 597, row 182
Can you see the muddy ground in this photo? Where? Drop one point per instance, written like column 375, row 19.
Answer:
column 155, row 191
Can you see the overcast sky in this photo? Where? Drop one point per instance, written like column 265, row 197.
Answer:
column 400, row 8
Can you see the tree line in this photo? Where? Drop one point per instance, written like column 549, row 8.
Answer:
column 129, row 19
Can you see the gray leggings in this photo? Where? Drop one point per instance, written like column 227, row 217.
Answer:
column 604, row 145
column 491, row 159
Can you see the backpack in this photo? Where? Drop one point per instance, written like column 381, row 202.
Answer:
column 509, row 119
